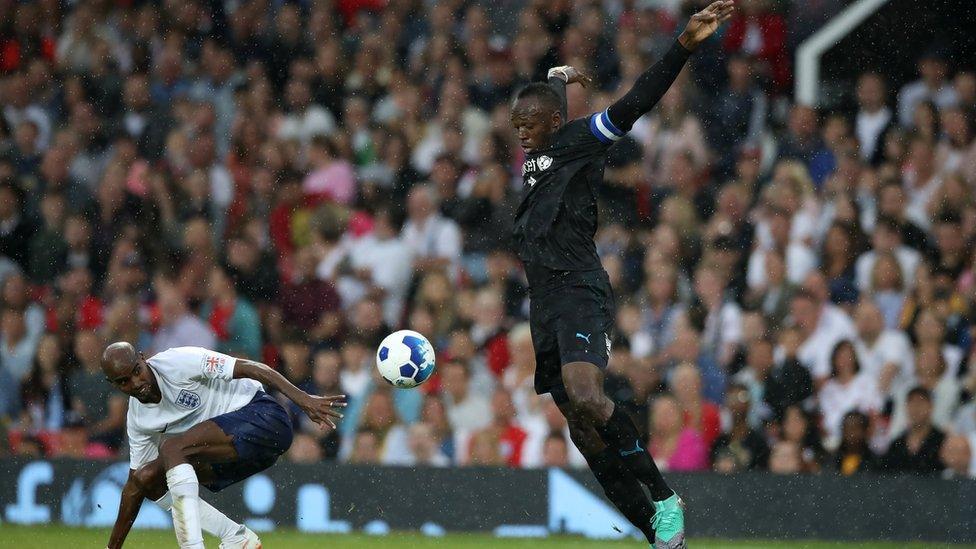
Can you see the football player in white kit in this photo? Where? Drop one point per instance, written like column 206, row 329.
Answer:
column 198, row 417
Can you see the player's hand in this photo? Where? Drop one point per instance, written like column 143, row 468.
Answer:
column 323, row 409
column 571, row 75
column 704, row 23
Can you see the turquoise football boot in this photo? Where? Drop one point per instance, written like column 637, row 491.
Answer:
column 669, row 524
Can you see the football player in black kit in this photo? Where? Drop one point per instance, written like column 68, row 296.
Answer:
column 572, row 307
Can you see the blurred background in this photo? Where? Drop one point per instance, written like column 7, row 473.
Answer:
column 291, row 181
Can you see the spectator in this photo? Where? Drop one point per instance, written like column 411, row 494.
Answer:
column 675, row 448
column 233, row 320
column 307, row 302
column 798, row 257
column 933, row 85
column 847, row 389
column 943, row 388
column 886, row 240
column 101, row 409
column 555, row 451
column 785, row 459
column 959, row 457
column 331, row 177
column 699, row 414
column 874, row 118
column 326, row 369
column 44, row 394
column 755, row 377
column 424, row 448
column 798, row 429
column 509, row 435
column 365, row 449
column 434, row 414
column 839, row 251
column 886, row 353
column 740, row 447
column 15, row 229
column 820, row 329
column 921, row 180
column 854, row 455
column 718, row 314
column 434, row 240
column 709, row 377
column 18, row 343
column 916, row 450
column 760, row 32
column 380, row 260
column 466, row 410
column 660, row 306
column 178, row 327
column 379, row 417
column 303, row 120
column 739, row 116
column 304, row 449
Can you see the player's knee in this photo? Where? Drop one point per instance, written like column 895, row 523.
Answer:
column 146, row 476
column 589, row 404
column 171, row 449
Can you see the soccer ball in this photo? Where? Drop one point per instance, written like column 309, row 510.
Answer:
column 405, row 359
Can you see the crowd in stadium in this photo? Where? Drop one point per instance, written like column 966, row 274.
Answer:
column 289, row 182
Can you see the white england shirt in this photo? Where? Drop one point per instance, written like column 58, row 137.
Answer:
column 197, row 384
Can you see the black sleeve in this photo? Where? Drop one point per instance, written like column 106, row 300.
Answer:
column 648, row 89
column 559, row 85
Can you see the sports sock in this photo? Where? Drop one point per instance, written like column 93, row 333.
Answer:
column 620, row 435
column 623, row 490
column 212, row 521
column 185, row 490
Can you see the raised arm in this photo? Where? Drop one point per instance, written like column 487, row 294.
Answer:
column 655, row 81
column 320, row 409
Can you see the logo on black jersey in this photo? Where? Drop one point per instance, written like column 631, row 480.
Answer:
column 534, row 164
column 530, row 181
column 188, row 399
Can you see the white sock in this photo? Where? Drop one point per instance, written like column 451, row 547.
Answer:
column 185, row 490
column 212, row 521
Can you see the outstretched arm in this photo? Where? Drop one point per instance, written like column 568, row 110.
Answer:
column 320, row 409
column 132, row 496
column 655, row 81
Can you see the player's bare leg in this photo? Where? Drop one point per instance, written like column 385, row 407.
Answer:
column 590, row 406
column 203, row 443
column 151, row 478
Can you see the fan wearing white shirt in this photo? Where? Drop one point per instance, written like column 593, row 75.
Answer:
column 887, row 353
column 198, row 417
column 822, row 327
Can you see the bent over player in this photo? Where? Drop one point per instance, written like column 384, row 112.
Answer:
column 572, row 309
column 198, row 417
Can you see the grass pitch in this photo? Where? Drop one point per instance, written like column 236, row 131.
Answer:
column 45, row 537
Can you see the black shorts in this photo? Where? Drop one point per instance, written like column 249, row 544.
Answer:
column 571, row 322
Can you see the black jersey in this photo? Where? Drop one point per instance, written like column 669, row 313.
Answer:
column 557, row 219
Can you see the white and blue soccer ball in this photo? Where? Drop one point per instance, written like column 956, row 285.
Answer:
column 405, row 359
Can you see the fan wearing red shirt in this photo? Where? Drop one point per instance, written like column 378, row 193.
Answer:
column 760, row 33
column 511, row 437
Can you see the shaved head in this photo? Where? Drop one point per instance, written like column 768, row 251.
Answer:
column 118, row 359
column 128, row 371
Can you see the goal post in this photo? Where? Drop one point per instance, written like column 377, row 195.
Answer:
column 810, row 52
